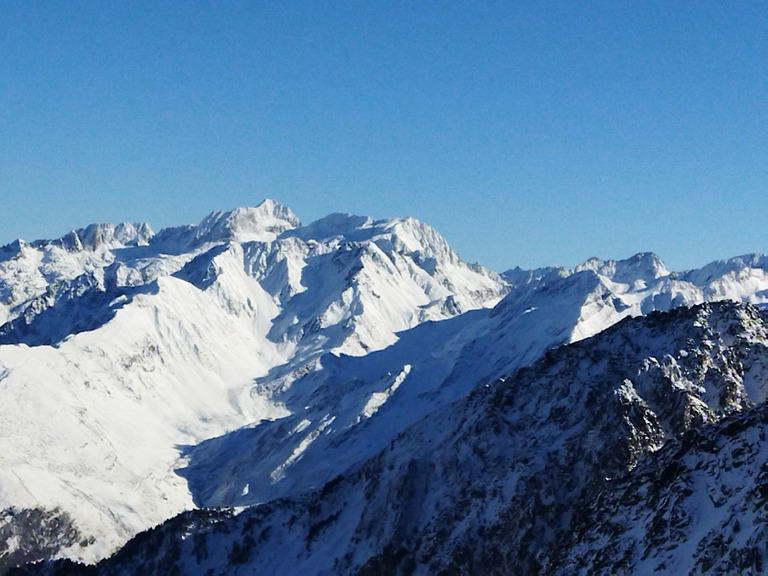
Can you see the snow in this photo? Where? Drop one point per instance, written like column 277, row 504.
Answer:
column 98, row 423
column 278, row 473
column 262, row 223
column 250, row 357
column 378, row 399
column 111, row 406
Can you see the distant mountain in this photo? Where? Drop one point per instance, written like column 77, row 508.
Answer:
column 332, row 279
column 251, row 360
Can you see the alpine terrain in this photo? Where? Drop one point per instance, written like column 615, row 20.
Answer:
column 254, row 395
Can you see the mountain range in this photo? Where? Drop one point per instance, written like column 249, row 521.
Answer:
column 255, row 395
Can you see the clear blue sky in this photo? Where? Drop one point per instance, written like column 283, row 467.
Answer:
column 528, row 133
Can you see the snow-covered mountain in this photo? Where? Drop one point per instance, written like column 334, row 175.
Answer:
column 120, row 345
column 333, row 280
column 331, row 425
column 250, row 359
column 639, row 450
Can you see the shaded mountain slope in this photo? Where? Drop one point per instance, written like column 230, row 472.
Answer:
column 644, row 421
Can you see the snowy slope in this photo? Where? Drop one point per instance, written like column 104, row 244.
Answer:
column 636, row 450
column 344, row 410
column 249, row 357
column 641, row 284
column 122, row 346
column 93, row 425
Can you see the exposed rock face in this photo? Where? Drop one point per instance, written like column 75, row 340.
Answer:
column 699, row 505
column 33, row 534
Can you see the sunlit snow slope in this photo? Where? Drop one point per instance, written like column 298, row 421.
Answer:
column 121, row 346
column 344, row 410
column 250, row 357
column 637, row 451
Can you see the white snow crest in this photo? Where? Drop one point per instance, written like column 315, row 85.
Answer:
column 378, row 399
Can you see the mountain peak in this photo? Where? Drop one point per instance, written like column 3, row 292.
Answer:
column 643, row 265
column 12, row 249
column 270, row 206
column 103, row 235
column 350, row 227
column 248, row 223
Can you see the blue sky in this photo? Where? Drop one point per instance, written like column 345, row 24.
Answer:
column 527, row 133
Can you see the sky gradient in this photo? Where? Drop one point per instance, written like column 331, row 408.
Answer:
column 527, row 133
